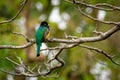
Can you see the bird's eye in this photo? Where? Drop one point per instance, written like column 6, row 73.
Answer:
column 46, row 24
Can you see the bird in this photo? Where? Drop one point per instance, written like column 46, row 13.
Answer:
column 41, row 35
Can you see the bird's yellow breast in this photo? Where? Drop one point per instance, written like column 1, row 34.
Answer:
column 48, row 35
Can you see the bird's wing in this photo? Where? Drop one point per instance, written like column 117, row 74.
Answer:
column 40, row 34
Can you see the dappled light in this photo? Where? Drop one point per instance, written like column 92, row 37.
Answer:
column 59, row 40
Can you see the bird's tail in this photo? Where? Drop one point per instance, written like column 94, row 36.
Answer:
column 38, row 49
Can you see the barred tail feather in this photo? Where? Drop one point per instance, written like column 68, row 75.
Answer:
column 38, row 49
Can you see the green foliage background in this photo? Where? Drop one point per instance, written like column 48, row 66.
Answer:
column 78, row 61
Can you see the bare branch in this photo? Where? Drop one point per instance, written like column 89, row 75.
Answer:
column 95, row 19
column 17, row 47
column 56, row 57
column 97, row 6
column 27, row 39
column 108, row 5
column 12, row 61
column 13, row 18
column 23, row 70
column 89, row 39
column 71, row 41
column 101, row 52
column 8, row 72
column 98, row 32
column 56, row 66
column 78, row 40
column 21, row 64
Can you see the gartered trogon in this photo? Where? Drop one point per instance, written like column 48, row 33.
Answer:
column 42, row 34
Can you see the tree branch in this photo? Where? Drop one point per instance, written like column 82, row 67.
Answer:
column 17, row 47
column 13, row 18
column 97, row 6
column 95, row 19
column 24, row 70
column 89, row 39
column 101, row 52
column 70, row 42
column 27, row 39
column 78, row 40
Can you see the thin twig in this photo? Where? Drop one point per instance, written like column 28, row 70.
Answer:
column 12, row 61
column 101, row 52
column 95, row 19
column 13, row 18
column 97, row 6
column 27, row 39
column 8, row 72
column 21, row 64
column 59, row 60
column 108, row 5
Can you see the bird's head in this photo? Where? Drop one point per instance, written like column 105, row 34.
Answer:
column 44, row 23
